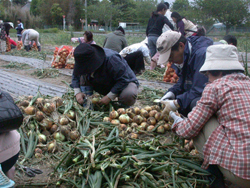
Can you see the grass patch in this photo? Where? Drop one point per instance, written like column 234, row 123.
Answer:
column 153, row 75
column 16, row 65
column 46, row 73
column 148, row 95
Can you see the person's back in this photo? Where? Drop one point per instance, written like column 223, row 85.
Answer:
column 115, row 41
column 168, row 16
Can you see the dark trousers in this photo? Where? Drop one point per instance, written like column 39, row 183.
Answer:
column 185, row 112
column 135, row 61
column 7, row 165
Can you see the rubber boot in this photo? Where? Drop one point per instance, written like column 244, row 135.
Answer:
column 39, row 48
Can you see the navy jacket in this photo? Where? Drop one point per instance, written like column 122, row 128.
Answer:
column 19, row 29
column 114, row 75
column 191, row 83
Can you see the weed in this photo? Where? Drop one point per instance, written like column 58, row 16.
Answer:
column 16, row 65
column 46, row 73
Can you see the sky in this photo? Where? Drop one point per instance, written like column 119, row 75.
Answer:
column 171, row 1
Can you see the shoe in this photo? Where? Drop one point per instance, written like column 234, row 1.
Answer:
column 27, row 48
column 39, row 48
column 5, row 182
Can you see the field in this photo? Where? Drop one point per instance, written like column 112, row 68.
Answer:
column 86, row 149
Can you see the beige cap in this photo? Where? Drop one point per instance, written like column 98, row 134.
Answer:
column 221, row 57
column 164, row 44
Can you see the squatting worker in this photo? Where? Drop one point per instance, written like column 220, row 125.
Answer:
column 106, row 71
column 30, row 35
column 220, row 122
column 189, row 55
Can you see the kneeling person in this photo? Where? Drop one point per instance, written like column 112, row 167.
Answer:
column 106, row 71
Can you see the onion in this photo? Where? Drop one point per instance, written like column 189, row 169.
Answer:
column 42, row 138
column 148, row 108
column 74, row 135
column 63, row 120
column 39, row 116
column 65, row 130
column 53, row 128
column 46, row 133
column 158, row 116
column 58, row 101
column 30, row 97
column 30, row 110
column 144, row 124
column 124, row 118
column 131, row 115
column 49, row 107
column 151, row 121
column 160, row 129
column 150, row 128
column 129, row 130
column 138, row 119
column 38, row 150
column 122, row 134
column 106, row 119
column 141, row 128
column 156, row 107
column 31, row 126
column 59, row 136
column 144, row 119
column 71, row 114
column 24, row 103
column 95, row 100
column 191, row 145
column 144, row 113
column 121, row 111
column 137, row 110
column 165, row 117
column 115, row 122
column 134, row 136
column 152, row 113
column 52, row 147
column 113, row 114
column 123, row 127
column 39, row 101
column 130, row 110
column 134, row 125
column 167, row 127
column 38, row 155
column 46, row 123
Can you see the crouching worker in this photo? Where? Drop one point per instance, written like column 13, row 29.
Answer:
column 30, row 35
column 106, row 72
column 220, row 122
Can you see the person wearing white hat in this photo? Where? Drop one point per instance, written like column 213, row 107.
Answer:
column 220, row 122
column 189, row 54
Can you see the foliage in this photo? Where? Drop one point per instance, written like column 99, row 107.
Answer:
column 229, row 12
column 20, row 2
column 35, row 7
column 56, row 13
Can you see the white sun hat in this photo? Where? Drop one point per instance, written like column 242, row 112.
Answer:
column 221, row 57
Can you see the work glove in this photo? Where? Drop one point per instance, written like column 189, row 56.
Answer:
column 170, row 105
column 168, row 95
column 80, row 97
column 176, row 118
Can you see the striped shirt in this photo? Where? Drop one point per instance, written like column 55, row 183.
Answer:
column 229, row 144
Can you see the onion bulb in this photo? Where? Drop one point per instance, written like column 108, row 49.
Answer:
column 115, row 122
column 129, row 130
column 167, row 127
column 38, row 155
column 39, row 116
column 144, row 124
column 121, row 111
column 49, row 107
column 46, row 133
column 74, row 135
column 106, row 119
column 30, row 110
column 42, row 138
column 123, row 127
column 58, row 101
column 137, row 110
column 152, row 113
column 148, row 108
column 144, row 113
column 156, row 107
column 130, row 110
column 124, row 118
column 134, row 125
column 65, row 130
column 38, row 150
column 158, row 116
column 113, row 114
column 151, row 121
column 71, row 114
column 160, row 129
column 95, row 100
column 141, row 128
column 131, row 115
column 53, row 128
column 24, row 103
column 63, row 120
column 31, row 126
column 150, row 128
column 59, row 136
column 46, row 123
column 39, row 101
column 138, row 119
column 52, row 147
column 134, row 136
column 30, row 97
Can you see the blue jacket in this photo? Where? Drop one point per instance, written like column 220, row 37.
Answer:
column 191, row 83
column 114, row 75
column 19, row 29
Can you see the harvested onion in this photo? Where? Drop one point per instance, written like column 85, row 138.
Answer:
column 144, row 113
column 151, row 121
column 160, row 129
column 158, row 116
column 53, row 128
column 148, row 108
column 63, row 120
column 121, row 111
column 134, row 136
column 152, row 113
column 52, row 147
column 58, row 101
column 49, row 107
column 30, row 110
column 115, row 122
column 138, row 119
column 137, row 110
column 39, row 116
column 71, row 114
column 124, row 118
column 46, row 123
column 59, row 136
column 106, row 119
column 150, row 128
column 123, row 127
column 167, row 127
column 113, row 114
column 42, row 138
column 24, row 103
column 74, row 135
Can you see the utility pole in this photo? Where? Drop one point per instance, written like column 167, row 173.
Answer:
column 86, row 21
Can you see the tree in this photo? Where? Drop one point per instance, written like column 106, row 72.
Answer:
column 56, row 14
column 20, row 2
column 144, row 10
column 35, row 7
column 229, row 12
column 181, row 6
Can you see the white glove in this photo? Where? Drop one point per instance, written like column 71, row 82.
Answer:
column 176, row 118
column 169, row 106
column 168, row 95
